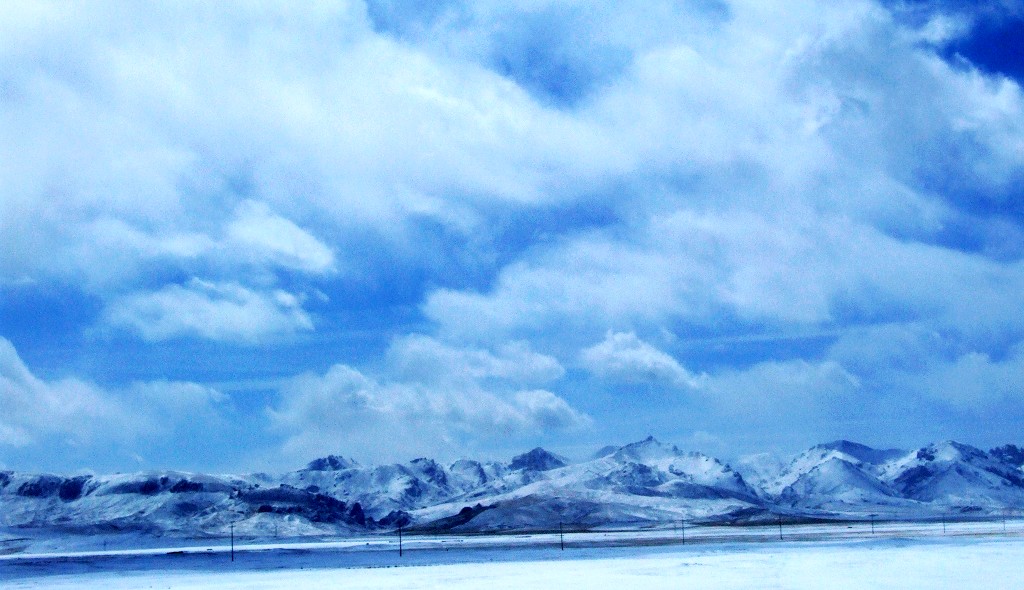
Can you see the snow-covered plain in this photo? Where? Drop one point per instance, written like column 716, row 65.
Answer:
column 968, row 555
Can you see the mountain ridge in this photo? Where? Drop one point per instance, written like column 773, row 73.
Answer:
column 642, row 482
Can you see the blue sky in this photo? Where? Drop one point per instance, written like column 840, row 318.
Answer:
column 236, row 237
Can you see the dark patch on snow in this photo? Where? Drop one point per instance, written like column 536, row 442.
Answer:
column 465, row 515
column 1010, row 478
column 186, row 509
column 741, row 516
column 862, row 452
column 185, row 486
column 330, row 463
column 636, row 477
column 356, row 515
column 146, row 487
column 71, row 489
column 1009, row 454
column 431, row 470
column 322, row 508
column 43, row 486
column 912, row 479
column 536, row 460
column 471, row 470
column 395, row 519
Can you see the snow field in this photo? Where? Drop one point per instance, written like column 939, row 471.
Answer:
column 956, row 563
column 113, row 546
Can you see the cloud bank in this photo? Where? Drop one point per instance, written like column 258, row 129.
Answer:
column 381, row 227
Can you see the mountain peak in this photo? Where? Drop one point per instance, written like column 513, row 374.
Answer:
column 331, row 463
column 950, row 450
column 646, row 450
column 861, row 452
column 537, row 460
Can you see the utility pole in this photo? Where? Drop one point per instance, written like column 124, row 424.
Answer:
column 682, row 525
column 780, row 527
column 561, row 539
column 872, row 524
column 232, row 541
column 399, row 540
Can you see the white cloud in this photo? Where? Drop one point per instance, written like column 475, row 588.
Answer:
column 779, row 167
column 471, row 397
column 261, row 234
column 215, row 311
column 254, row 245
column 171, row 127
column 252, row 236
column 792, row 400
column 543, row 410
column 70, row 413
column 34, row 408
column 317, row 117
column 622, row 355
column 788, row 272
column 972, row 381
column 426, row 359
column 179, row 398
column 382, row 421
column 936, row 368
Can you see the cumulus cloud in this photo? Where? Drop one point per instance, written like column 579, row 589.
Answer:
column 741, row 270
column 622, row 355
column 254, row 245
column 936, row 368
column 500, row 187
column 473, row 397
column 786, row 205
column 428, row 359
column 73, row 416
column 973, row 380
column 781, row 383
column 315, row 115
column 215, row 311
column 34, row 408
column 263, row 235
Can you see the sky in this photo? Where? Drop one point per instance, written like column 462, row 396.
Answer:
column 236, row 236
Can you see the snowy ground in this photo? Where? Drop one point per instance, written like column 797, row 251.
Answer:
column 976, row 555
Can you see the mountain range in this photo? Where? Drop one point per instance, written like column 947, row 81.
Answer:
column 638, row 484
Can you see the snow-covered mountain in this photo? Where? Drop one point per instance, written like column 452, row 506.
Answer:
column 958, row 476
column 642, row 482
column 840, row 476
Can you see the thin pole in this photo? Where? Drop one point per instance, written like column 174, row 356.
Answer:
column 561, row 539
column 399, row 540
column 232, row 541
column 682, row 524
column 780, row 528
column 943, row 524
